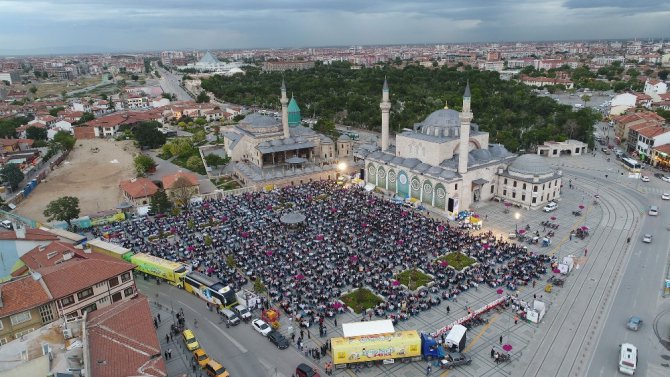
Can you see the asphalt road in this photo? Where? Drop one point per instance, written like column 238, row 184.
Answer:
column 639, row 293
column 170, row 84
column 242, row 351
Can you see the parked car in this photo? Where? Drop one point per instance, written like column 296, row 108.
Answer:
column 551, row 206
column 201, row 357
column 262, row 327
column 666, row 178
column 278, row 339
column 242, row 312
column 658, row 175
column 647, row 238
column 7, row 224
column 665, row 196
column 634, row 323
column 645, row 178
column 304, row 370
column 454, row 359
column 190, row 341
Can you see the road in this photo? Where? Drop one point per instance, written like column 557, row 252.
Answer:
column 639, row 294
column 170, row 84
column 242, row 351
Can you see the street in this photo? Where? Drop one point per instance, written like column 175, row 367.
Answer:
column 170, row 84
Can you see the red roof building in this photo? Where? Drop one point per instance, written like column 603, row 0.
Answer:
column 169, row 180
column 54, row 253
column 122, row 341
column 138, row 191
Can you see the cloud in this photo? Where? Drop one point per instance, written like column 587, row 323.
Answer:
column 170, row 24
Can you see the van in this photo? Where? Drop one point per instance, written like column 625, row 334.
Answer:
column 231, row 317
column 214, row 369
column 7, row 224
column 242, row 312
column 627, row 359
column 190, row 341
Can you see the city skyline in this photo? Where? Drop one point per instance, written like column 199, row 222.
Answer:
column 75, row 26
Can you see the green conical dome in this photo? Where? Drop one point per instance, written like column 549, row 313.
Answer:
column 293, row 113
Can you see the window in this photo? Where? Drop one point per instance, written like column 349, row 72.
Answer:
column 69, row 300
column 128, row 292
column 534, row 188
column 3, row 341
column 103, row 300
column 534, row 200
column 116, row 297
column 46, row 313
column 513, row 195
column 504, row 192
column 85, row 293
column 505, row 180
column 100, row 285
column 125, row 277
column 456, row 187
column 493, row 188
column 24, row 332
column 113, row 282
column 514, row 184
column 20, row 318
column 89, row 308
column 523, row 198
column 524, row 186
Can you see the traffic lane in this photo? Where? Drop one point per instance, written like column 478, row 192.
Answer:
column 635, row 296
column 239, row 348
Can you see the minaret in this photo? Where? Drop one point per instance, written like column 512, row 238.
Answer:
column 284, row 109
column 385, row 106
column 464, row 145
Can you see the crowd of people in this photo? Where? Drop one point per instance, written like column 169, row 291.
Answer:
column 350, row 238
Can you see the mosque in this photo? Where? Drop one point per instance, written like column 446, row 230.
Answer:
column 447, row 163
column 269, row 150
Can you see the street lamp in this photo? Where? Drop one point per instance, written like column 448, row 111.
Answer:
column 517, row 216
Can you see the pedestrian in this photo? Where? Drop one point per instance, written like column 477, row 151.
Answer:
column 167, row 338
column 500, row 339
column 516, row 319
column 336, row 317
column 309, row 336
column 535, row 296
column 534, row 283
column 571, row 236
column 428, row 370
column 448, row 309
column 301, row 333
column 165, row 355
column 159, row 317
column 585, row 251
column 292, row 337
column 172, row 337
column 492, row 352
column 193, row 365
column 155, row 323
column 169, row 353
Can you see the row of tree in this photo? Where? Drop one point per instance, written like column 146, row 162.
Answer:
column 508, row 110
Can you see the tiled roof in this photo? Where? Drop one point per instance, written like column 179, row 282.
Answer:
column 50, row 255
column 665, row 148
column 123, row 336
column 31, row 235
column 139, row 188
column 653, row 131
column 22, row 294
column 72, row 276
column 169, row 180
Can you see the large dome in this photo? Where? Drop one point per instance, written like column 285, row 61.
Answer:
column 443, row 118
column 530, row 164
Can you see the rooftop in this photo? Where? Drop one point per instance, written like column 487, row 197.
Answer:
column 54, row 253
column 22, row 294
column 123, row 341
column 30, row 235
column 138, row 187
column 169, row 180
column 67, row 278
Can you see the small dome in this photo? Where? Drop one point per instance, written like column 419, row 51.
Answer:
column 481, row 155
column 344, row 137
column 498, row 150
column 530, row 164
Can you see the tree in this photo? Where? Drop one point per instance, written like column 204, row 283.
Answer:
column 143, row 164
column 85, row 117
column 200, row 121
column 148, row 135
column 663, row 74
column 36, row 133
column 12, row 174
column 65, row 208
column 194, row 163
column 230, row 261
column 259, row 287
column 216, row 160
column 33, row 89
column 65, row 140
column 54, row 112
column 134, row 77
column 182, row 191
column 160, row 202
column 202, row 97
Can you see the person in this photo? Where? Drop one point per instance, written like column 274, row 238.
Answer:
column 500, row 339
column 585, row 251
column 448, row 309
column 195, row 323
column 628, row 240
column 492, row 352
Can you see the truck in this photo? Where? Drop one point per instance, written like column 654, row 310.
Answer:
column 376, row 349
column 172, row 272
column 430, row 348
column 111, row 249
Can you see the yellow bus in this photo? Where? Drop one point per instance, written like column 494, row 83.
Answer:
column 399, row 345
column 172, row 272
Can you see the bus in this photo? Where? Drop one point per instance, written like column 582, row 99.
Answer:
column 172, row 272
column 210, row 290
column 630, row 165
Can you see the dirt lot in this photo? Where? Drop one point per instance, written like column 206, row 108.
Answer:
column 92, row 177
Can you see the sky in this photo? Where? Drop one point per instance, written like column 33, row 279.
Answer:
column 69, row 26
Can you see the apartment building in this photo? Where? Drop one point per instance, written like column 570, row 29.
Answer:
column 25, row 305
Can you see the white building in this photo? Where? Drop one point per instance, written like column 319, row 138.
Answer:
column 653, row 88
column 447, row 163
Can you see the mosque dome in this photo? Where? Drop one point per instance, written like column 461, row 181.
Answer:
column 530, row 164
column 441, row 123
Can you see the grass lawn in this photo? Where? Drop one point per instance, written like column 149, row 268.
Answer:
column 226, row 183
column 458, row 260
column 413, row 278
column 361, row 299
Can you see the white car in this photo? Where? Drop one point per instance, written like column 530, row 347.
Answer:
column 647, row 238
column 666, row 178
column 260, row 326
column 645, row 178
column 665, row 196
column 551, row 206
column 653, row 211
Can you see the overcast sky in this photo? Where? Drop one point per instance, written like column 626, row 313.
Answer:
column 44, row 26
